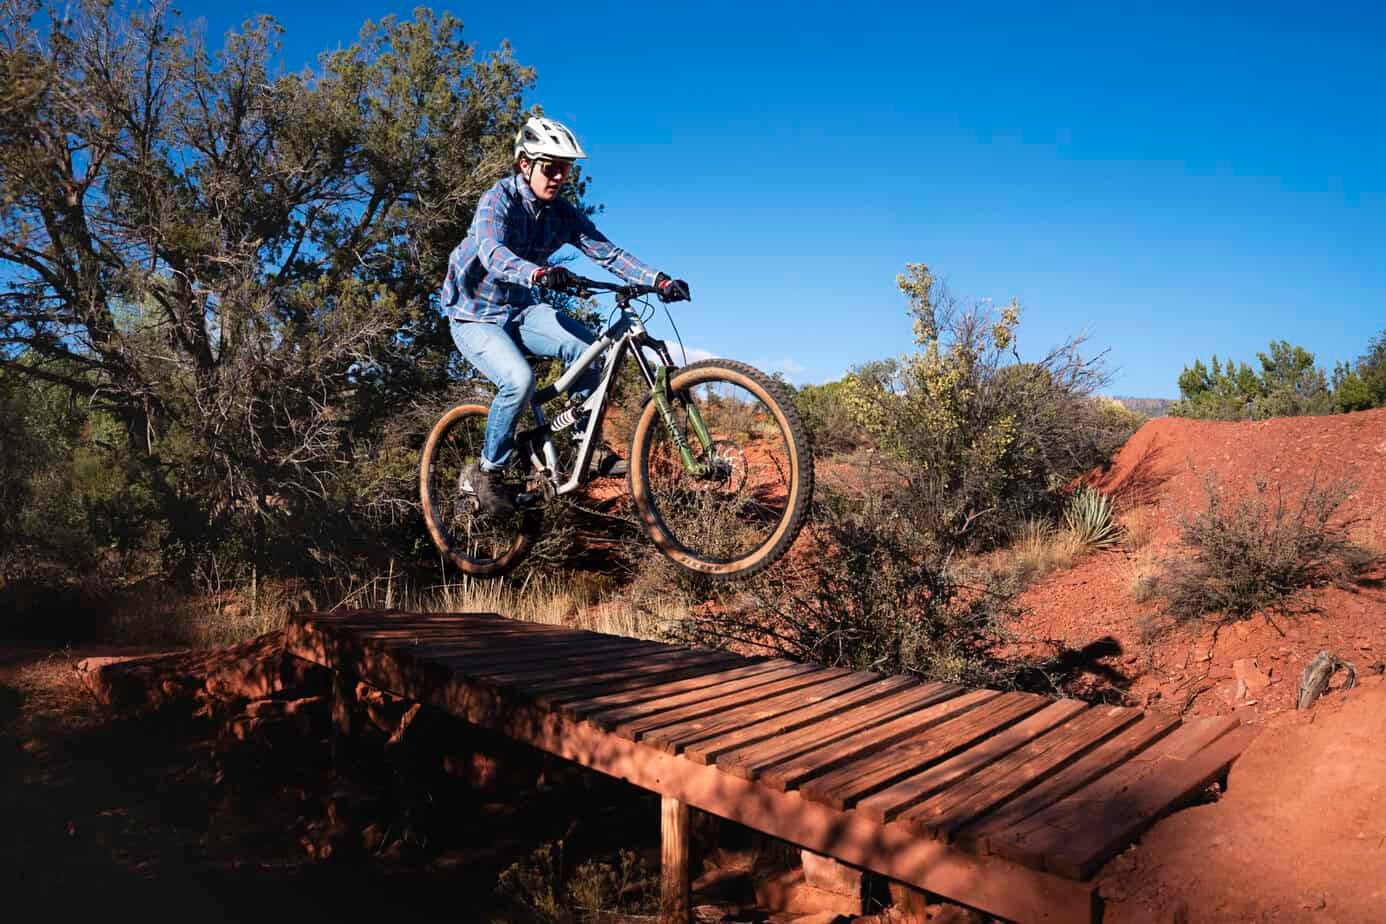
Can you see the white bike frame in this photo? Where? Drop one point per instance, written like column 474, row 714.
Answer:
column 626, row 334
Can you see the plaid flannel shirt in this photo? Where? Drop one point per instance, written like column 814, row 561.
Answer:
column 513, row 233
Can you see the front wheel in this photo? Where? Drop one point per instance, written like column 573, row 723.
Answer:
column 481, row 544
column 730, row 500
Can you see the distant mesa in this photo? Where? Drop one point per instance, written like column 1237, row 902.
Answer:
column 1150, row 407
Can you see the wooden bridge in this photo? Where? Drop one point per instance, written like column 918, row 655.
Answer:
column 1008, row 802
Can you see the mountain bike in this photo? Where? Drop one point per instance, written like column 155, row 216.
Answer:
column 719, row 468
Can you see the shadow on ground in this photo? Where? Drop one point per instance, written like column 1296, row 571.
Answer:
column 154, row 814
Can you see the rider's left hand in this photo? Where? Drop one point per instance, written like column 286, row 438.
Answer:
column 672, row 290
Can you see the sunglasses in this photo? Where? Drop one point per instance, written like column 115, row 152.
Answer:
column 555, row 169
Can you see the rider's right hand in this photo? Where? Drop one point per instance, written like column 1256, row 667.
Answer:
column 553, row 277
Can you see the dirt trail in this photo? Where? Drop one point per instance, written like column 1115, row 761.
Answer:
column 1299, row 836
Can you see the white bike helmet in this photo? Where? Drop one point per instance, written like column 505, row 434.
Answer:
column 544, row 138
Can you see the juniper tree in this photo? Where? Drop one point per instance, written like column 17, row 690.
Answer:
column 235, row 261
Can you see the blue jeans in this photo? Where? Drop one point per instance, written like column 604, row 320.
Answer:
column 495, row 350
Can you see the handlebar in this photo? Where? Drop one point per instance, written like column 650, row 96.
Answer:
column 583, row 287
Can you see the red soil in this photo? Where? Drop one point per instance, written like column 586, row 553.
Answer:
column 1300, row 833
column 1159, row 477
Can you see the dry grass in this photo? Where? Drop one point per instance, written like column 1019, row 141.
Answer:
column 51, row 674
column 575, row 599
column 1038, row 551
column 1138, row 530
column 154, row 613
column 1370, row 534
column 1142, row 577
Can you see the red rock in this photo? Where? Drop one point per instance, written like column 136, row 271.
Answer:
column 832, row 876
column 1246, row 671
column 789, row 892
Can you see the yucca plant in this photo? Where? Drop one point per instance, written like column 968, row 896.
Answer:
column 1088, row 517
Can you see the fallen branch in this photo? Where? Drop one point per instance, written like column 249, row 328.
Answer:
column 1314, row 680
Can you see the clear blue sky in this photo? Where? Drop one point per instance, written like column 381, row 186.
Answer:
column 1171, row 181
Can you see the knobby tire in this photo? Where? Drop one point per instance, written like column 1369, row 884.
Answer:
column 445, row 509
column 691, row 519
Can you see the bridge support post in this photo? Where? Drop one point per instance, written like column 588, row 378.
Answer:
column 343, row 718
column 676, row 900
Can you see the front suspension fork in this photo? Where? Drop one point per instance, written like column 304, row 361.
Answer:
column 664, row 400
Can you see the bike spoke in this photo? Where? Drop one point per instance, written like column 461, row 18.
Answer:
column 477, row 542
column 735, row 508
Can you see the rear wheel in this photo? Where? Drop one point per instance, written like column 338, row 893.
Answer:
column 737, row 502
column 481, row 544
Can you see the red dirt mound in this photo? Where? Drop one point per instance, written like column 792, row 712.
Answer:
column 1166, row 463
column 1160, row 476
column 1299, row 835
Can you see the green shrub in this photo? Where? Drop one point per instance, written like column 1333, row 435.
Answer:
column 73, row 501
column 982, row 441
column 867, row 591
column 1251, row 554
column 827, row 414
column 541, row 891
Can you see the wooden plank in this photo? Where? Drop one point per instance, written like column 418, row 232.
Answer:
column 1030, row 841
column 1194, row 735
column 568, row 662
column 398, row 628
column 342, row 620
column 942, row 814
column 676, row 893
column 649, row 670
column 748, row 761
column 894, row 800
column 868, row 741
column 1076, row 835
column 495, row 646
column 359, row 620
column 673, row 739
column 512, row 632
column 392, row 625
column 404, row 637
column 515, row 672
column 704, row 685
column 694, row 700
column 692, row 670
column 989, row 832
column 571, row 658
column 508, row 634
column 525, row 658
column 632, row 728
column 992, row 885
column 472, row 643
column 588, row 670
column 843, row 787
column 470, row 638
column 849, row 702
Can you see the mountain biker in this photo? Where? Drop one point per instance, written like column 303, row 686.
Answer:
column 489, row 291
